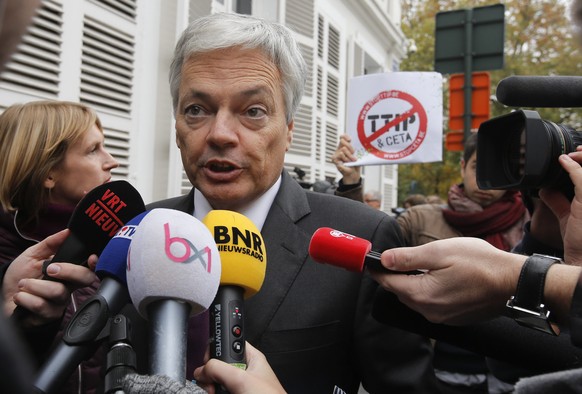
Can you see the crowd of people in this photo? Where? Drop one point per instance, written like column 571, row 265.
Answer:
column 236, row 82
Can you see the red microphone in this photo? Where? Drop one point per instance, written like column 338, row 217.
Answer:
column 347, row 251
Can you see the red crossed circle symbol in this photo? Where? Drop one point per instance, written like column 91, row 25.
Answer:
column 416, row 109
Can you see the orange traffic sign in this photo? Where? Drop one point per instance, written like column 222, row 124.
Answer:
column 454, row 141
column 480, row 110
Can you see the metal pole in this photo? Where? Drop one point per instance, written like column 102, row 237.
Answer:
column 468, row 79
column 168, row 338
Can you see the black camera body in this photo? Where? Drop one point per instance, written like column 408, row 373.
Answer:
column 520, row 150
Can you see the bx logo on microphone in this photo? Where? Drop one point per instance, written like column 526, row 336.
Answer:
column 191, row 253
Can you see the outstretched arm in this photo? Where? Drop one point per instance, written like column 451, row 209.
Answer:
column 23, row 286
column 468, row 280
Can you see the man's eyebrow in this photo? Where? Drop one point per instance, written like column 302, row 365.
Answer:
column 198, row 94
column 248, row 92
column 254, row 91
column 258, row 91
column 262, row 93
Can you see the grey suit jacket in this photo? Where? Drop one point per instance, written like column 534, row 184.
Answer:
column 313, row 321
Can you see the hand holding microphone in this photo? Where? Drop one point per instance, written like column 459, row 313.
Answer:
column 43, row 298
column 347, row 251
column 95, row 220
column 244, row 259
column 173, row 272
column 257, row 378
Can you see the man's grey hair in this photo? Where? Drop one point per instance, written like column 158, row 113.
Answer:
column 223, row 30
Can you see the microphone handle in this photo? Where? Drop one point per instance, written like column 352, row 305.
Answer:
column 121, row 358
column 73, row 250
column 227, row 328
column 82, row 335
column 373, row 261
column 168, row 338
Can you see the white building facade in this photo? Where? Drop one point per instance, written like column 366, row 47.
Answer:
column 114, row 56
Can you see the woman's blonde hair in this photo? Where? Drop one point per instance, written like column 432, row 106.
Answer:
column 34, row 138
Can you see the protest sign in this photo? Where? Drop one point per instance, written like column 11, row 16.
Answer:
column 396, row 117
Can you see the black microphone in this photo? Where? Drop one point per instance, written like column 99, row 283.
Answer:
column 84, row 332
column 95, row 220
column 501, row 338
column 540, row 91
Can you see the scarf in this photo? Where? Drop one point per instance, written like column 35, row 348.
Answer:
column 488, row 223
column 51, row 219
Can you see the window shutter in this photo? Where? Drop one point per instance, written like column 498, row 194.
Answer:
column 332, row 95
column 117, row 143
column 299, row 17
column 106, row 67
column 328, row 93
column 333, row 47
column 34, row 68
column 302, row 140
column 125, row 8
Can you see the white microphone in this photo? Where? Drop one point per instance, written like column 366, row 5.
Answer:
column 173, row 272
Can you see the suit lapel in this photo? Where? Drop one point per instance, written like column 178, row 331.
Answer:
column 186, row 203
column 181, row 203
column 286, row 253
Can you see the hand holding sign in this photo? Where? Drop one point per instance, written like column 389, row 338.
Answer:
column 396, row 117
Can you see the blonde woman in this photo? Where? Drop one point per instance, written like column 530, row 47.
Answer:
column 51, row 154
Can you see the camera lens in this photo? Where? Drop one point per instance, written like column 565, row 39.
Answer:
column 562, row 139
column 520, row 150
column 515, row 154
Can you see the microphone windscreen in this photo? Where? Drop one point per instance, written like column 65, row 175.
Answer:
column 172, row 256
column 540, row 91
column 113, row 260
column 242, row 250
column 337, row 248
column 97, row 218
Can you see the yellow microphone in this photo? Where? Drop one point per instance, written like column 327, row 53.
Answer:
column 244, row 260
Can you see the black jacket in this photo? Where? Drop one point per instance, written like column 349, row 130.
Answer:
column 313, row 321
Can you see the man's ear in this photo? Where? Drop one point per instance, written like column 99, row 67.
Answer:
column 290, row 127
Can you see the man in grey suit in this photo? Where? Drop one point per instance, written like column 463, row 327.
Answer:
column 236, row 82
